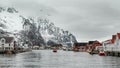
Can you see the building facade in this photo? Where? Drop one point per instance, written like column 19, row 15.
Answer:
column 6, row 43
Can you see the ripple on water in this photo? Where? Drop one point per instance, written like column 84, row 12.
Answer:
column 61, row 59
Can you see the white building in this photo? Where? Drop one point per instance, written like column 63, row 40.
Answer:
column 6, row 43
column 117, row 40
column 112, row 44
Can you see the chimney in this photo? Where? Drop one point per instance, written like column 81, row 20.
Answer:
column 113, row 38
column 118, row 35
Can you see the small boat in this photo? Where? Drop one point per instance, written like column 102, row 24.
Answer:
column 92, row 51
column 101, row 53
column 54, row 50
column 64, row 48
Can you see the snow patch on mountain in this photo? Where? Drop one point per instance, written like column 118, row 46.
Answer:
column 37, row 30
column 10, row 22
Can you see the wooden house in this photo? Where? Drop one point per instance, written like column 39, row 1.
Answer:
column 58, row 46
column 93, row 44
column 82, row 47
column 6, row 43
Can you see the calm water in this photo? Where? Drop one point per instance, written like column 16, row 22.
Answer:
column 61, row 59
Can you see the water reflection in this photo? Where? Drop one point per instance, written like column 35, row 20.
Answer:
column 61, row 59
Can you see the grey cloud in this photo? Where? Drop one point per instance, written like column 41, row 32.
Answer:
column 32, row 7
column 86, row 19
column 100, row 20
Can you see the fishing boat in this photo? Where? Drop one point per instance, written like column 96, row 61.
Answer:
column 101, row 53
column 64, row 48
column 54, row 50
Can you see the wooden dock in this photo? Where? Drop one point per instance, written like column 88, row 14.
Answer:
column 14, row 51
column 113, row 53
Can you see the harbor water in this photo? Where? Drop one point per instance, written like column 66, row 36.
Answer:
column 60, row 59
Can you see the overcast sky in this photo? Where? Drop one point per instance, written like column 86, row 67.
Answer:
column 86, row 19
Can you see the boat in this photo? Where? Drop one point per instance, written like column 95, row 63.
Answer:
column 92, row 51
column 54, row 50
column 64, row 49
column 101, row 53
column 67, row 49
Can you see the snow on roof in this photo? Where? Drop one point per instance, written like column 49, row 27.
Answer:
column 7, row 39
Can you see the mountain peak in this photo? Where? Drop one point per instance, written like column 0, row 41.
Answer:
column 8, row 9
column 37, row 30
column 11, row 10
column 2, row 9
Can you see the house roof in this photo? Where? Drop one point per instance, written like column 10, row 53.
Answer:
column 97, row 42
column 7, row 39
column 80, row 44
column 56, row 45
column 91, row 42
column 109, row 41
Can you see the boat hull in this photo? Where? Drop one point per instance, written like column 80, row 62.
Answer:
column 101, row 54
column 54, row 51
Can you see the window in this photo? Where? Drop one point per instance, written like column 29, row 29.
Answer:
column 2, row 41
column 7, row 48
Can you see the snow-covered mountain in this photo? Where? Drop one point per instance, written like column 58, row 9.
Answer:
column 10, row 20
column 37, row 30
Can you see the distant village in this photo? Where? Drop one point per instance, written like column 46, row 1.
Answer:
column 111, row 47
